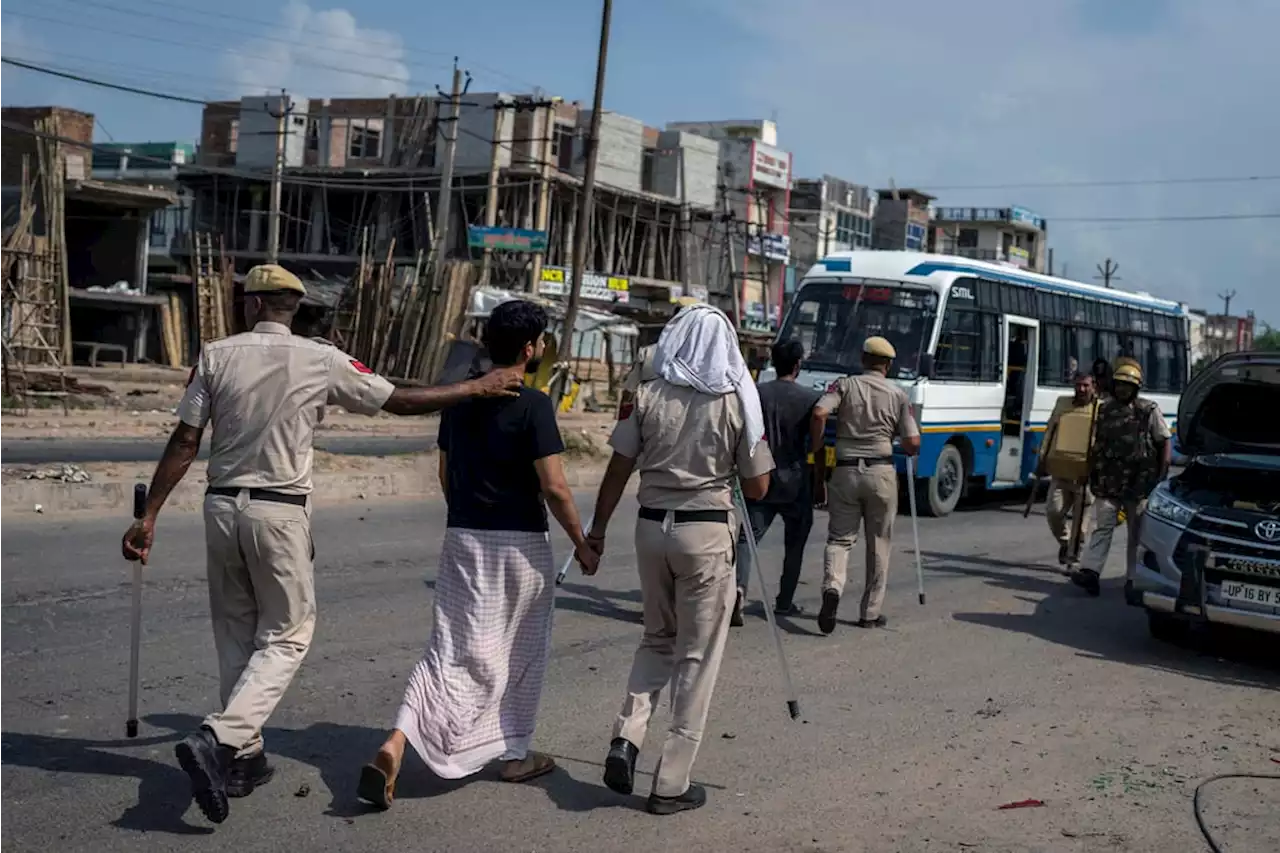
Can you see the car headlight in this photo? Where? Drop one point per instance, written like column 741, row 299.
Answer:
column 1164, row 506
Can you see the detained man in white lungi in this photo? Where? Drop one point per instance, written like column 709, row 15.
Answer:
column 473, row 698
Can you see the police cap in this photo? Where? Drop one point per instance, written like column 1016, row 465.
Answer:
column 879, row 347
column 1130, row 373
column 269, row 278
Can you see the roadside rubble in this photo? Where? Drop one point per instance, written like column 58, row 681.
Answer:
column 61, row 473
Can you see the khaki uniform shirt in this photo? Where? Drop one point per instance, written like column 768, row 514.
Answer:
column 641, row 371
column 688, row 446
column 265, row 391
column 870, row 410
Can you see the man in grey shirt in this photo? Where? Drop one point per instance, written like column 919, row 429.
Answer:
column 787, row 409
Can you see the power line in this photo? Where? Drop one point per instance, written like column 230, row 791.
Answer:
column 119, row 87
column 328, row 49
column 1127, row 182
column 189, row 45
column 132, row 71
column 1211, row 217
column 259, row 22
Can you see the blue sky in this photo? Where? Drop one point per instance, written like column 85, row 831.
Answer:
column 941, row 95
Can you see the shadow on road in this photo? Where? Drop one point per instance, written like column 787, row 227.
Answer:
column 1107, row 628
column 162, row 788
column 336, row 751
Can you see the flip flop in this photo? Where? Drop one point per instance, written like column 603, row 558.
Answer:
column 378, row 782
column 535, row 764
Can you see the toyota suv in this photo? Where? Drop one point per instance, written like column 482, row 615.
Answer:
column 1209, row 546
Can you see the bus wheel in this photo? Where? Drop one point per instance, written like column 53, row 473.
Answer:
column 940, row 493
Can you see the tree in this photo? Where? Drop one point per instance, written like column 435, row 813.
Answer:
column 1268, row 341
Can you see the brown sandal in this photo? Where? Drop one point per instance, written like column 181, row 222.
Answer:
column 535, row 764
column 378, row 782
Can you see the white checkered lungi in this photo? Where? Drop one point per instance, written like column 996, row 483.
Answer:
column 473, row 698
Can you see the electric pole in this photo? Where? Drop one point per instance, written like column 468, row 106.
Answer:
column 1107, row 272
column 1226, row 302
column 445, row 199
column 592, row 142
column 277, row 172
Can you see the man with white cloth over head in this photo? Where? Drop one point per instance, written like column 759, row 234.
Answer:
column 690, row 431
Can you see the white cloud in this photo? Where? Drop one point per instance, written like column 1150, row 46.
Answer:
column 943, row 93
column 357, row 62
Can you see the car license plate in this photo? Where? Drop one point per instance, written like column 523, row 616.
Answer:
column 1251, row 593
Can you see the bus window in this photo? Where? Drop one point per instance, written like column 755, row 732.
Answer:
column 1056, row 368
column 833, row 319
column 1080, row 344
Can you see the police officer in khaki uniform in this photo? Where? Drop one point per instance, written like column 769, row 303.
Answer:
column 1132, row 451
column 689, row 434
column 870, row 411
column 1066, row 495
column 264, row 392
column 641, row 371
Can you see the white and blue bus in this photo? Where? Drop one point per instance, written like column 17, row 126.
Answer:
column 984, row 351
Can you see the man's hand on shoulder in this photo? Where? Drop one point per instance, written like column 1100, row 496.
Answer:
column 499, row 382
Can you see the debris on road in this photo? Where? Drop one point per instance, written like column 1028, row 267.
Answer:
column 1021, row 804
column 65, row 473
column 303, row 791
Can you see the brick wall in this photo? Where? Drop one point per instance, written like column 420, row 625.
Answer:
column 71, row 124
column 218, row 134
column 220, row 126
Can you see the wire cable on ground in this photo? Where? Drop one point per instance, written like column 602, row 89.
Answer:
column 1195, row 801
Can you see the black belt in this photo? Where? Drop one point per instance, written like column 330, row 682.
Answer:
column 258, row 495
column 686, row 516
column 868, row 460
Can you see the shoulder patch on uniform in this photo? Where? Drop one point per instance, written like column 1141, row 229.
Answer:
column 832, row 388
column 360, row 366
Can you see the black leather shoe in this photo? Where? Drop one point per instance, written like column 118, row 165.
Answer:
column 694, row 798
column 789, row 609
column 878, row 622
column 620, row 766
column 207, row 763
column 247, row 774
column 1090, row 581
column 827, row 616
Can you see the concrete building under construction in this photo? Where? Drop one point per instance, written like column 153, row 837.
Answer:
column 361, row 181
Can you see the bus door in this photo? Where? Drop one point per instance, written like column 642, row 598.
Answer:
column 1021, row 349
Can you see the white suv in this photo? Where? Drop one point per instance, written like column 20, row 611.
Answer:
column 1209, row 546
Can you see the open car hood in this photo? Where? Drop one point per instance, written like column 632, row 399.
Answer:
column 1231, row 406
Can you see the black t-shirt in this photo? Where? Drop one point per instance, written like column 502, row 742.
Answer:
column 787, row 407
column 490, row 448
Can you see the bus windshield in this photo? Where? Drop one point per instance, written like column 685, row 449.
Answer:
column 832, row 319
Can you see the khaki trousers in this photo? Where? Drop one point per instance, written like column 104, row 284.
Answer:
column 1106, row 520
column 867, row 497
column 262, row 600
column 687, row 583
column 1062, row 497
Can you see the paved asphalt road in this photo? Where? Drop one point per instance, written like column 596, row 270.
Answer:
column 1008, row 685
column 35, row 451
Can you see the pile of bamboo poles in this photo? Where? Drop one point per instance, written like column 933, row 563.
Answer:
column 393, row 321
column 173, row 331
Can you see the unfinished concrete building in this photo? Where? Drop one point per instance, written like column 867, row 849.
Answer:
column 362, row 178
